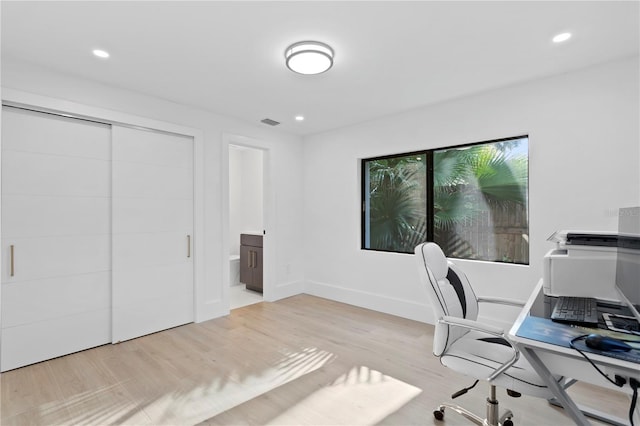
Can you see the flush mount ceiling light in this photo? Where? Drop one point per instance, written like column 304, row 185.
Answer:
column 100, row 53
column 309, row 57
column 562, row 37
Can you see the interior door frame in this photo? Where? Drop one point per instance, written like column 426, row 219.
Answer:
column 202, row 308
column 268, row 202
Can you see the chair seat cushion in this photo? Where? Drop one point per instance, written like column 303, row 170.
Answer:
column 478, row 355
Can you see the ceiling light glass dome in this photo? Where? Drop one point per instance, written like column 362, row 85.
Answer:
column 309, row 57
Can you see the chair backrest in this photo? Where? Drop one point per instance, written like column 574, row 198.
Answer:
column 449, row 291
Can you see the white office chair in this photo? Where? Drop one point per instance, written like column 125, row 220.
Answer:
column 467, row 346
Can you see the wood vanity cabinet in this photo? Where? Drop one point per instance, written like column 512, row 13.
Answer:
column 251, row 261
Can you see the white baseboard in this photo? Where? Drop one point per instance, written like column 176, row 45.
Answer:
column 389, row 305
column 215, row 308
column 283, row 290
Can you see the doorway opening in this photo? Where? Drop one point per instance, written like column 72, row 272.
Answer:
column 246, row 225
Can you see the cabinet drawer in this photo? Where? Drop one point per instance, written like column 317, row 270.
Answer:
column 251, row 240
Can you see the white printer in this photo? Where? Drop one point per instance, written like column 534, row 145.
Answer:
column 582, row 264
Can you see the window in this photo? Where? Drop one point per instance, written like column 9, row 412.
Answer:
column 472, row 200
column 395, row 202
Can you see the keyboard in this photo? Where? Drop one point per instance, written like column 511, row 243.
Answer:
column 576, row 310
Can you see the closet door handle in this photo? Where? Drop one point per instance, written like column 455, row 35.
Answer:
column 188, row 245
column 249, row 258
column 255, row 259
column 12, row 266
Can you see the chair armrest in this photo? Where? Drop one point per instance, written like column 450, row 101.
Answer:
column 472, row 325
column 502, row 301
column 485, row 328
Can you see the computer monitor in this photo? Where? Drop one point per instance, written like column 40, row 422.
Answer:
column 628, row 258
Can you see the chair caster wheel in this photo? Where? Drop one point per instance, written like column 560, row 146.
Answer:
column 439, row 414
column 507, row 422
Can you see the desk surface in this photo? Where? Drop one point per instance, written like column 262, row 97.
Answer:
column 534, row 325
column 545, row 344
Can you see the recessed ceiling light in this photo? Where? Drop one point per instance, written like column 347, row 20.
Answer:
column 101, row 53
column 309, row 57
column 299, row 117
column 561, row 37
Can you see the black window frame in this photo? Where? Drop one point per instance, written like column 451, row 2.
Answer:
column 429, row 155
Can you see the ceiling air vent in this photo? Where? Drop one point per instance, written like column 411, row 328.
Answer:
column 270, row 122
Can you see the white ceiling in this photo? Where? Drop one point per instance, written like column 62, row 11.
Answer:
column 391, row 56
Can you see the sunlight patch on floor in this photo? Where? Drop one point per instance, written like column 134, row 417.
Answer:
column 199, row 402
column 108, row 405
column 361, row 396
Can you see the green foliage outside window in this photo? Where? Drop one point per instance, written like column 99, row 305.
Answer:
column 397, row 193
column 479, row 208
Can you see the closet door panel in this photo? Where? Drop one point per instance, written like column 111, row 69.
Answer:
column 157, row 148
column 50, row 216
column 152, row 232
column 52, row 257
column 137, row 180
column 38, row 341
column 166, row 303
column 145, row 282
column 165, row 214
column 150, row 249
column 73, row 141
column 26, row 173
column 31, row 301
column 156, row 315
column 56, row 215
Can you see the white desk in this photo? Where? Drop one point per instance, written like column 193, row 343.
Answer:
column 551, row 359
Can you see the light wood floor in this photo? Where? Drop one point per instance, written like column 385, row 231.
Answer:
column 302, row 360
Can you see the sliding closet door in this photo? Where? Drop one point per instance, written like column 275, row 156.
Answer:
column 152, row 232
column 56, row 236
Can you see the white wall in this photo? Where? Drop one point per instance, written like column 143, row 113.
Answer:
column 252, row 185
column 285, row 154
column 584, row 163
column 245, row 194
